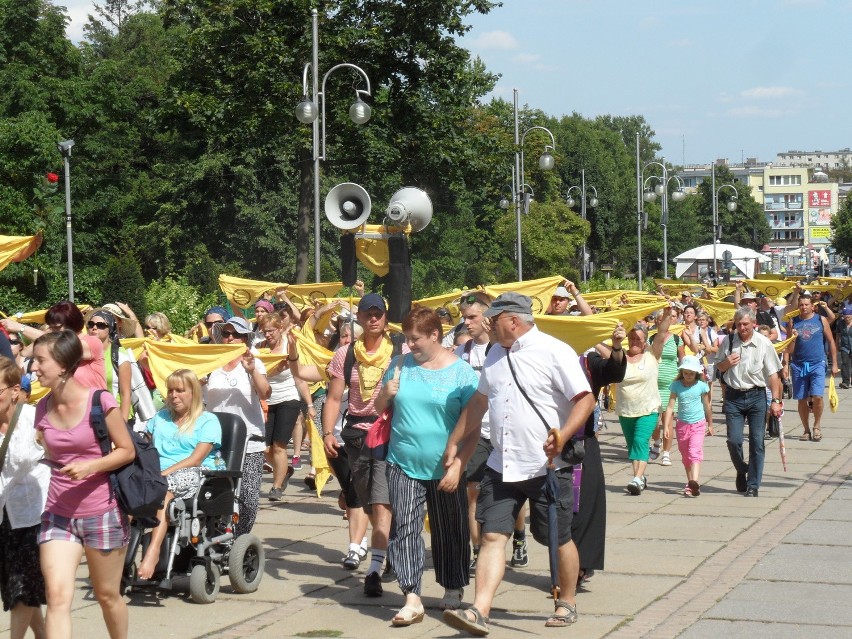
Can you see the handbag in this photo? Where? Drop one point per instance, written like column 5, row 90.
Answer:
column 377, row 439
column 574, row 450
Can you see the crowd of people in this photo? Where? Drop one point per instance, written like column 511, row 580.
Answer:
column 470, row 420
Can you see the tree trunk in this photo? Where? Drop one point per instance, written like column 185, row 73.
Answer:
column 303, row 229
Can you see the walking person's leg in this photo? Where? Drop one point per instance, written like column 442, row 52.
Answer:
column 406, row 551
column 449, row 539
column 735, row 422
column 756, row 415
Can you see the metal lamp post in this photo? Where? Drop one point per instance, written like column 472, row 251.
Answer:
column 307, row 112
column 732, row 206
column 584, row 201
column 661, row 189
column 65, row 149
column 545, row 163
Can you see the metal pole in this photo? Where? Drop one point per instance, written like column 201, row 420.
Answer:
column 583, row 213
column 665, row 214
column 315, row 79
column 519, row 180
column 68, row 231
column 639, row 215
column 715, row 215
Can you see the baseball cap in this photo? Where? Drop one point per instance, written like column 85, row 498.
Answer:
column 510, row 303
column 561, row 291
column 372, row 300
column 748, row 296
column 847, row 311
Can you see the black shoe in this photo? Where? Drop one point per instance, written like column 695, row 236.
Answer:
column 741, row 482
column 373, row 585
column 751, row 492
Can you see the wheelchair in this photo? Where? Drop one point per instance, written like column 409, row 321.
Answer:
column 200, row 542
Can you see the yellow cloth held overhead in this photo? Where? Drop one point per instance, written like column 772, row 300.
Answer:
column 37, row 317
column 243, row 292
column 721, row 312
column 772, row 288
column 582, row 332
column 164, row 358
column 17, row 248
column 311, row 353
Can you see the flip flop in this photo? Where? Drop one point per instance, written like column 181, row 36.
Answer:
column 817, row 434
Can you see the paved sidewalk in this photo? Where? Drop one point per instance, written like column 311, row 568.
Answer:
column 776, row 566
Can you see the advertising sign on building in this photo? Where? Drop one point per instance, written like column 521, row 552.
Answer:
column 819, row 208
column 820, row 235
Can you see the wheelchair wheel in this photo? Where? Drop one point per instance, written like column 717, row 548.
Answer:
column 246, row 564
column 204, row 587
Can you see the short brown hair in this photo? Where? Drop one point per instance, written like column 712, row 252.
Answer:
column 64, row 347
column 423, row 320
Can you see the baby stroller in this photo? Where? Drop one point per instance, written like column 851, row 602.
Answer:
column 200, row 543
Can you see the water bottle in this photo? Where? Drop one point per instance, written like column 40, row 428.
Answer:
column 218, row 462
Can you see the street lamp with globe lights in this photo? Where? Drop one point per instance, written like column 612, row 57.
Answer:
column 731, row 206
column 546, row 162
column 661, row 189
column 584, row 202
column 311, row 110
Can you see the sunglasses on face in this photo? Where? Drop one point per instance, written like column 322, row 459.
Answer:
column 213, row 323
column 15, row 342
column 101, row 326
column 227, row 333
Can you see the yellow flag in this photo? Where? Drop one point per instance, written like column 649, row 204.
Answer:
column 244, row 292
column 540, row 290
column 582, row 332
column 833, row 400
column 17, row 248
column 311, row 353
column 322, row 469
column 37, row 317
column 373, row 252
column 164, row 358
column 772, row 288
column 720, row 311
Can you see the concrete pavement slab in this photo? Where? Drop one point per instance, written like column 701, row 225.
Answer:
column 715, row 628
column 806, row 563
column 695, row 527
column 796, row 602
column 821, row 532
column 833, row 510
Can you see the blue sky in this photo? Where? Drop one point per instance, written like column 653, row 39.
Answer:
column 714, row 79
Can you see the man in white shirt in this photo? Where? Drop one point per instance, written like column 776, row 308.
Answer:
column 748, row 364
column 550, row 374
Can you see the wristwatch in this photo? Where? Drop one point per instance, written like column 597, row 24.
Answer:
column 775, row 400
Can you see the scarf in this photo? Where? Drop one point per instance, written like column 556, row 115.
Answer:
column 371, row 366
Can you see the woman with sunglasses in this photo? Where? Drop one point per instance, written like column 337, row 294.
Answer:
column 201, row 331
column 157, row 326
column 23, row 490
column 21, row 355
column 284, row 406
column 237, row 388
column 103, row 325
column 81, row 514
column 66, row 315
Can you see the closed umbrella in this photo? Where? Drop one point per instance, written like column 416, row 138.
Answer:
column 551, row 491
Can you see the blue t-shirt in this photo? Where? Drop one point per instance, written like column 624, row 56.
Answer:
column 809, row 345
column 175, row 446
column 690, row 400
column 425, row 411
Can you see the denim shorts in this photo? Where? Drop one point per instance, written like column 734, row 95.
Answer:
column 102, row 532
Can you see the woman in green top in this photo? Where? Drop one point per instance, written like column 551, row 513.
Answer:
column 673, row 352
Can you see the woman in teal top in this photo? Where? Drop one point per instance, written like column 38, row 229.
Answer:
column 186, row 437
column 673, row 352
column 429, row 389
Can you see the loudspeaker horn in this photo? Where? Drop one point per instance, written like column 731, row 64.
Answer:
column 410, row 206
column 347, row 205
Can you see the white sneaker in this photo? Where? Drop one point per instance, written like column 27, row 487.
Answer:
column 635, row 486
column 666, row 460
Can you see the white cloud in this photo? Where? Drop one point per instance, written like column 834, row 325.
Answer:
column 495, row 40
column 759, row 112
column 764, row 93
column 78, row 11
column 527, row 58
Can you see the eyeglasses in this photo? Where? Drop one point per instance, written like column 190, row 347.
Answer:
column 213, row 323
column 101, row 326
column 15, row 342
column 150, row 328
column 227, row 333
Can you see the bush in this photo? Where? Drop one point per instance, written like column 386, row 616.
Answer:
column 123, row 282
column 181, row 302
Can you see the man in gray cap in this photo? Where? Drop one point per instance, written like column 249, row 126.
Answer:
column 530, row 383
column 562, row 304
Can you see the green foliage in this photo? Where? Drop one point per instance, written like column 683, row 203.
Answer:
column 181, row 302
column 123, row 282
column 841, row 228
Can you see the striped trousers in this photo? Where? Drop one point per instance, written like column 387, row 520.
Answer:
column 450, row 536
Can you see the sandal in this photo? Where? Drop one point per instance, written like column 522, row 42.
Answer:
column 817, row 434
column 558, row 621
column 459, row 619
column 311, row 481
column 408, row 615
column 806, row 436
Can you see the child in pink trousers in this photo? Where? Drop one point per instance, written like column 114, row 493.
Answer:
column 692, row 396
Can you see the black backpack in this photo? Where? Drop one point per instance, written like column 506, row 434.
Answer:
column 138, row 487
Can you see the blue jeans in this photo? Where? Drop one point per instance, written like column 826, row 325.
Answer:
column 741, row 406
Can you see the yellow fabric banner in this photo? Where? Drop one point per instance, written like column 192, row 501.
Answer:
column 720, row 311
column 243, row 292
column 37, row 317
column 164, row 358
column 311, row 353
column 322, row 469
column 17, row 248
column 583, row 332
column 771, row 288
column 373, row 252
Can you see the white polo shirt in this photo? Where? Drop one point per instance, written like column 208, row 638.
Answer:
column 550, row 373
